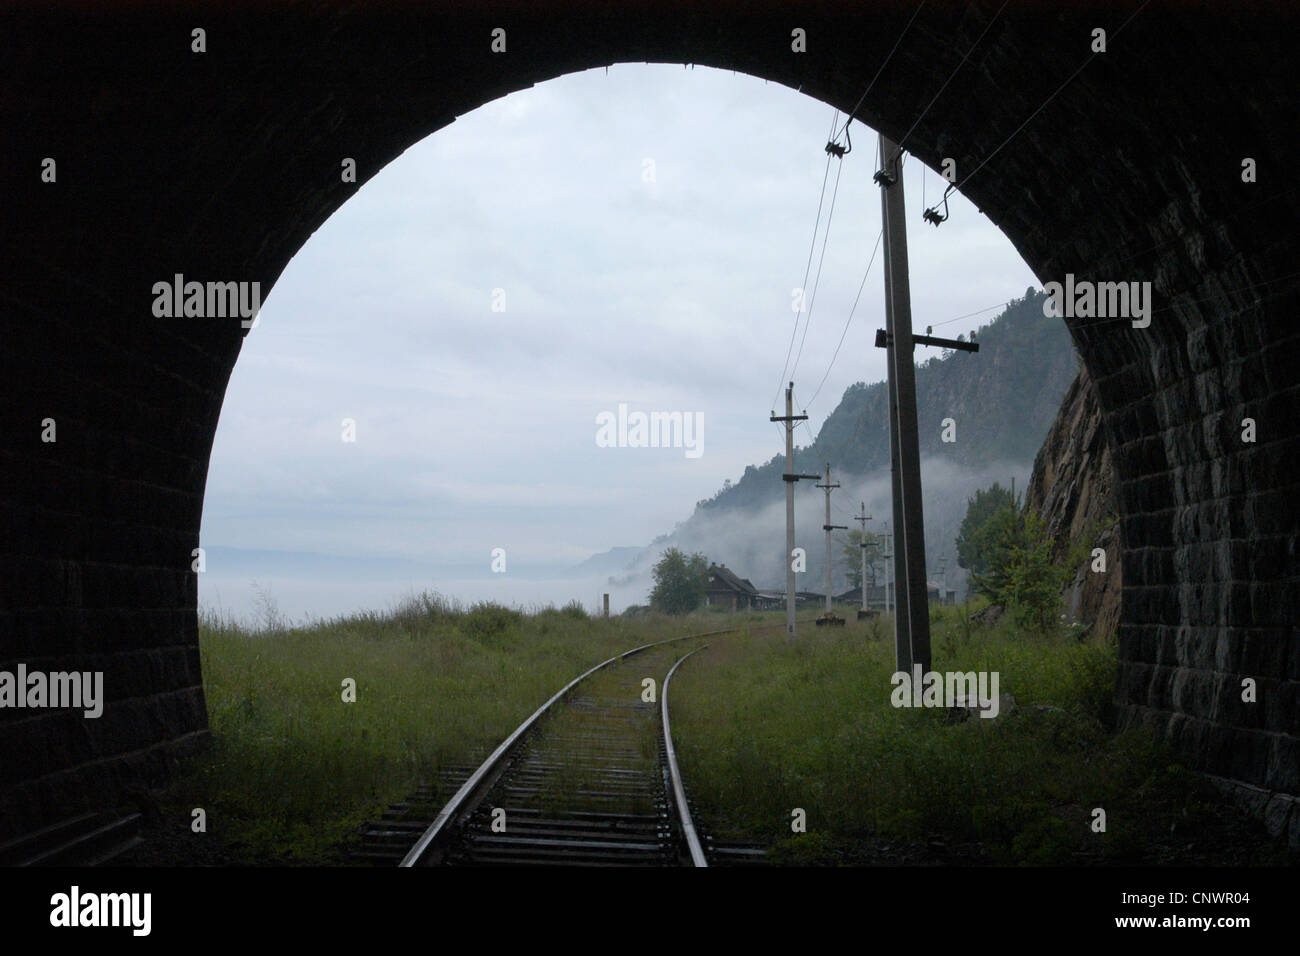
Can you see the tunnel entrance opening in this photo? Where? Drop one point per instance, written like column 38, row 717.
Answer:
column 682, row 306
column 222, row 166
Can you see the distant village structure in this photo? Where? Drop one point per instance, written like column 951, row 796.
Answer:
column 726, row 589
column 936, row 593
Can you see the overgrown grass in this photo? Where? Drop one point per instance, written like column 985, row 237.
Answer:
column 765, row 726
column 294, row 769
column 762, row 727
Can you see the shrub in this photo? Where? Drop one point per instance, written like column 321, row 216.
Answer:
column 418, row 610
column 488, row 619
column 575, row 610
column 1020, row 574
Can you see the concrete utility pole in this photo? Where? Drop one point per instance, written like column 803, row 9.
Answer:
column 828, row 528
column 789, row 478
column 862, row 546
column 889, row 567
column 912, row 622
column 912, row 645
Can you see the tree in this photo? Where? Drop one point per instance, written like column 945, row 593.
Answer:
column 973, row 536
column 680, row 582
column 1020, row 574
column 853, row 557
column 996, row 543
column 1035, row 580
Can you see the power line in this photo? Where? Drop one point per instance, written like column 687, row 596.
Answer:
column 1003, row 305
column 881, row 69
column 1000, row 305
column 812, row 301
column 971, row 175
column 807, row 268
column 847, row 322
column 951, row 75
column 1104, row 322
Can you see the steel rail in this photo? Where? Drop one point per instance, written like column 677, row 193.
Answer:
column 679, row 792
column 460, row 798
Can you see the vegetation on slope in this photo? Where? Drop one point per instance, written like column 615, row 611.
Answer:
column 1005, row 399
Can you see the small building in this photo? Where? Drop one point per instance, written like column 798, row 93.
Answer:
column 726, row 589
column 775, row 600
column 876, row 596
column 940, row 593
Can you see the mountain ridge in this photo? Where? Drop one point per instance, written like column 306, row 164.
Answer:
column 1002, row 402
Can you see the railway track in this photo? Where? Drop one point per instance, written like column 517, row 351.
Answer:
column 589, row 779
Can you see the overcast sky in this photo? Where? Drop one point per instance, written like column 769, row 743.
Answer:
column 646, row 227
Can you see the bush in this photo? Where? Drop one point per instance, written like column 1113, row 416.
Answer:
column 423, row 609
column 575, row 610
column 488, row 619
column 1035, row 580
column 1020, row 574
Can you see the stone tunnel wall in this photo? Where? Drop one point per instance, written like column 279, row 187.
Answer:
column 220, row 165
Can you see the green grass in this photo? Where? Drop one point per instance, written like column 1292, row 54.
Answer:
column 294, row 770
column 764, row 726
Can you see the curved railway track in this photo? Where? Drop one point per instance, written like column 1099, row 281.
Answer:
column 589, row 779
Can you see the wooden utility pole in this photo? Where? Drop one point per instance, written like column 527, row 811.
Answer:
column 828, row 617
column 789, row 478
column 862, row 519
column 912, row 624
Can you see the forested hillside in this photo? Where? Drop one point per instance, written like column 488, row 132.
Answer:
column 1002, row 399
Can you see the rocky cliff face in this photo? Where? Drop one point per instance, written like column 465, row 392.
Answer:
column 1073, row 488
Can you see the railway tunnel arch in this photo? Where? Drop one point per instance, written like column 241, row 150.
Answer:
column 220, row 164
